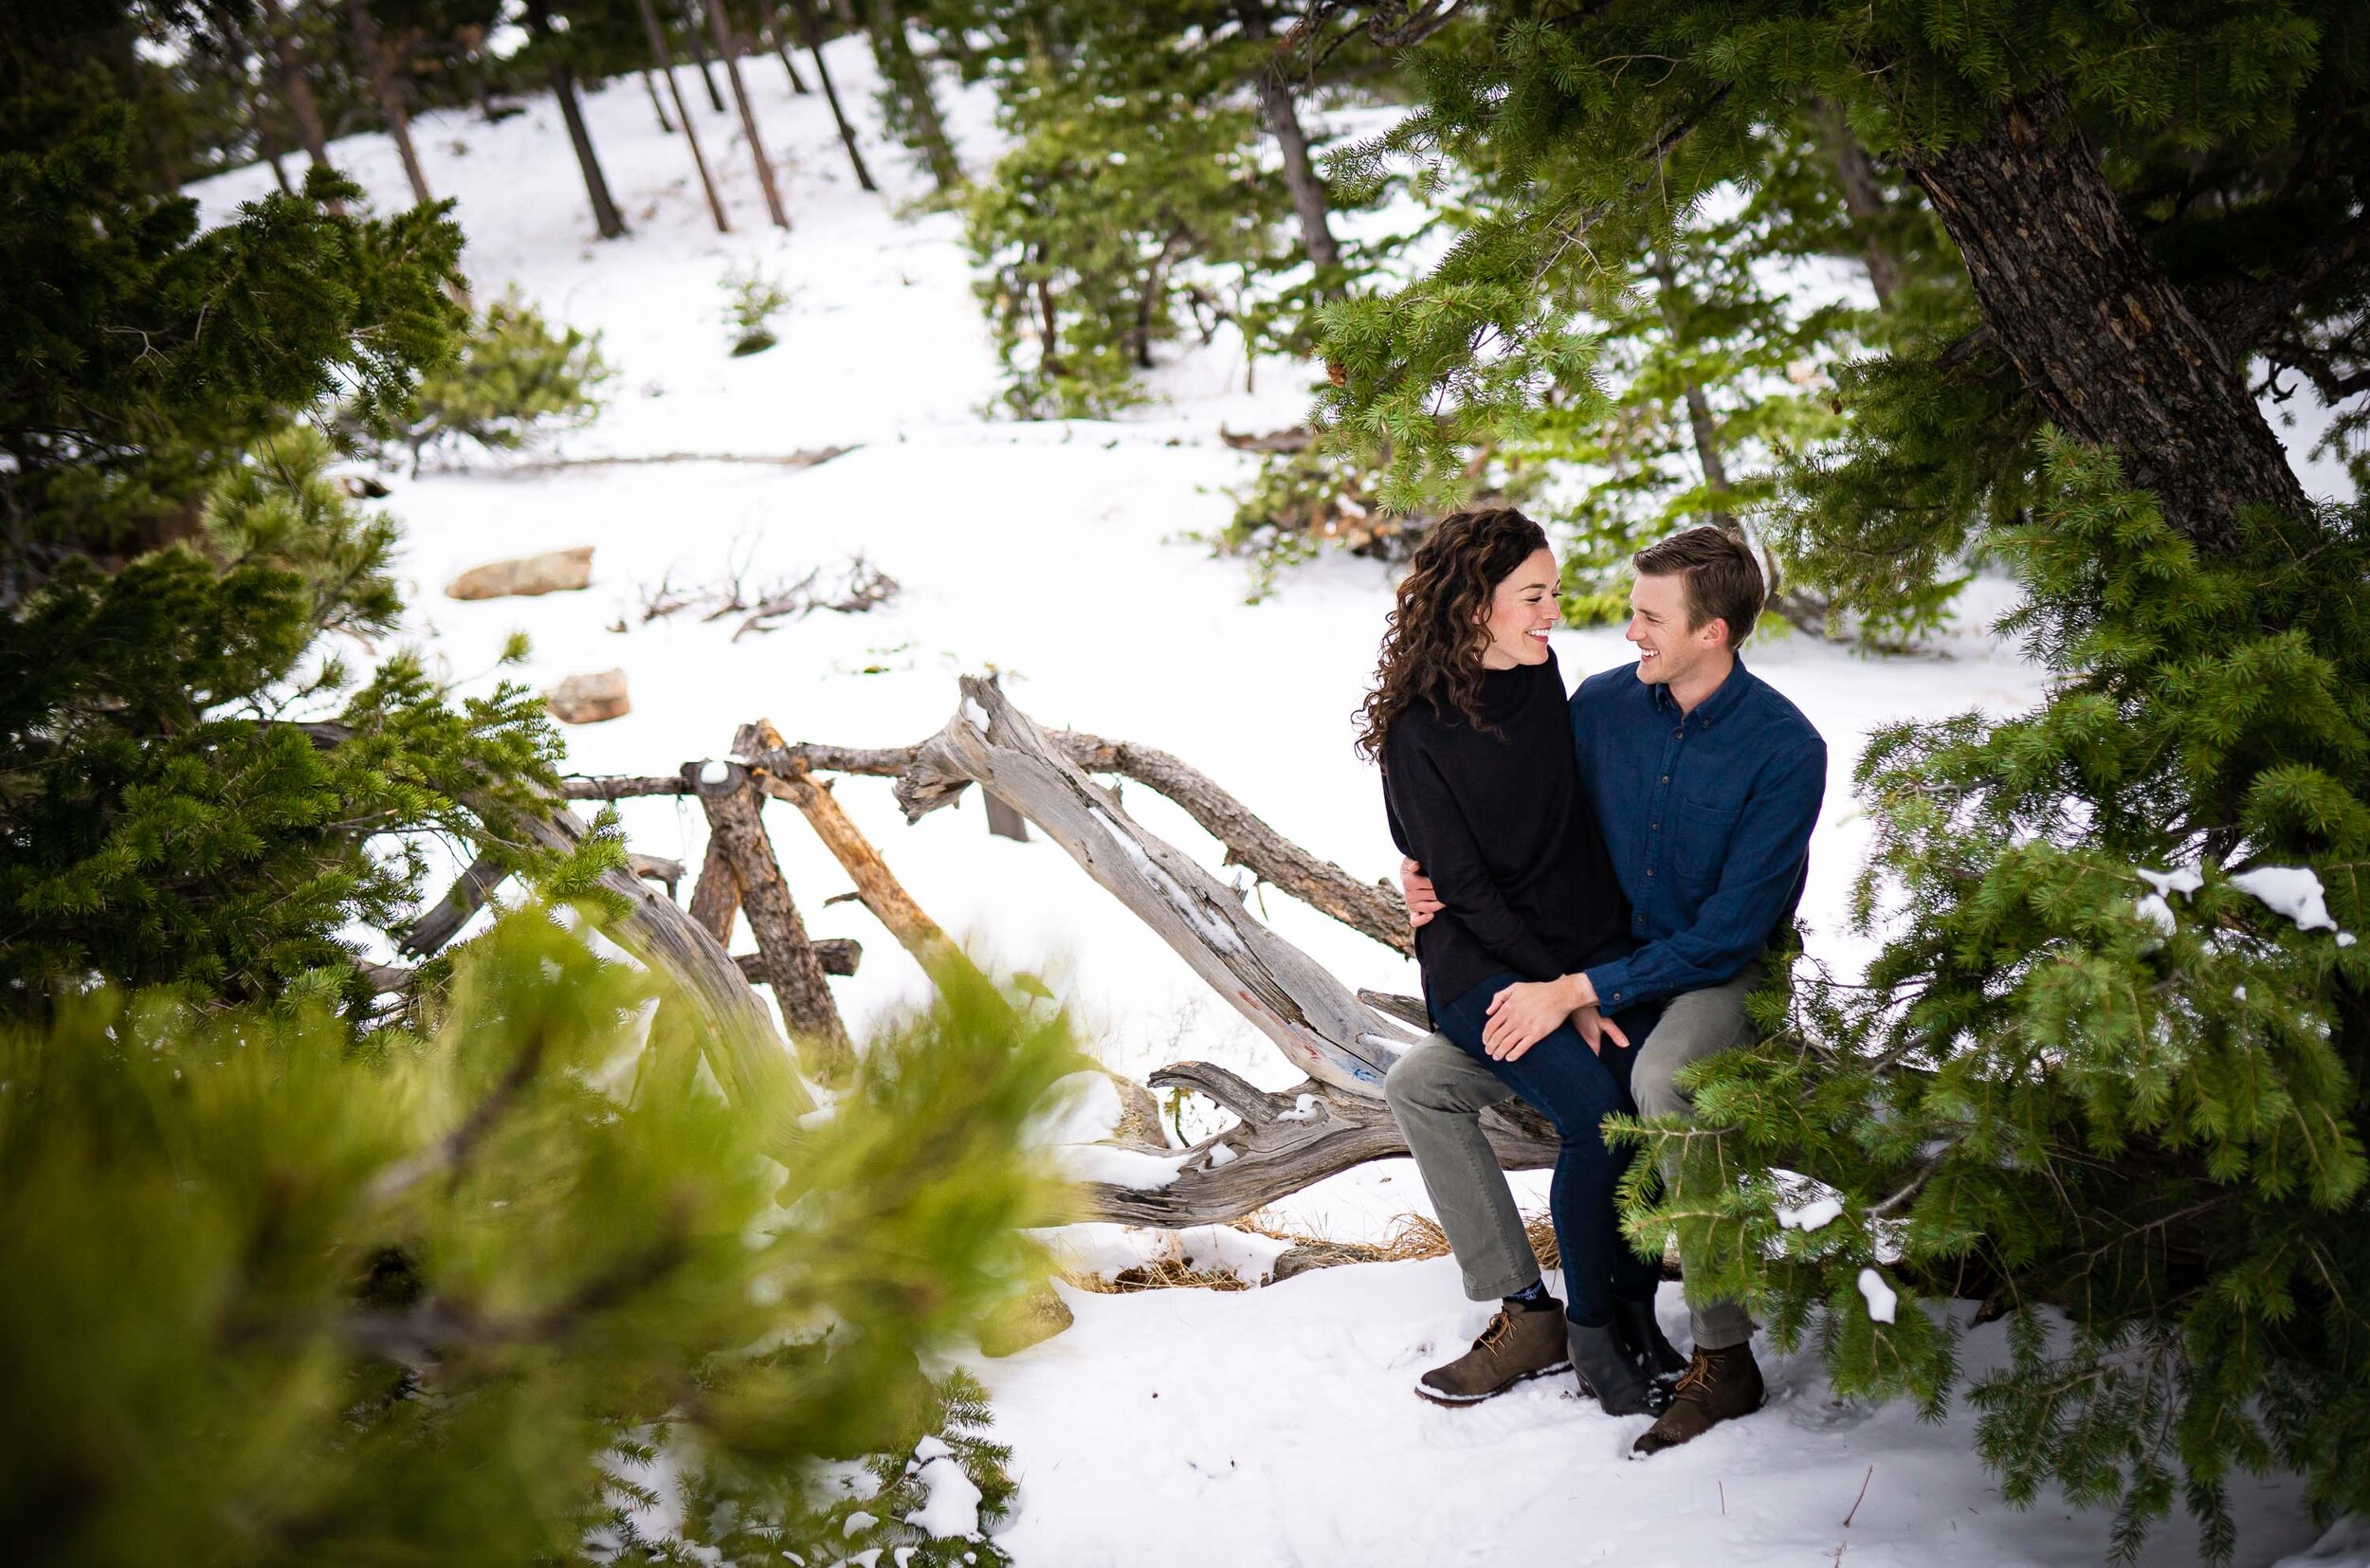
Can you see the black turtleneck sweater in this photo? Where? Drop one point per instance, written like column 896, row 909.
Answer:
column 1499, row 824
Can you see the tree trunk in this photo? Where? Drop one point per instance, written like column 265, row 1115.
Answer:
column 667, row 66
column 1285, row 1140
column 605, row 218
column 1318, row 1023
column 785, row 956
column 780, row 45
column 298, row 91
column 727, row 46
column 1701, row 426
column 882, row 893
column 902, row 70
column 1282, row 116
column 2105, row 343
column 390, row 95
column 811, row 33
column 665, row 125
column 1863, row 198
column 700, row 53
column 267, row 139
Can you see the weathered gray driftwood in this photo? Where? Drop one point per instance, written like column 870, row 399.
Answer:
column 1372, row 908
column 1285, row 1141
column 1318, row 1025
column 444, row 918
column 837, row 955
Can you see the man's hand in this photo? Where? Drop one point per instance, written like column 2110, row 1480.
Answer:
column 1597, row 1028
column 1422, row 902
column 1523, row 1014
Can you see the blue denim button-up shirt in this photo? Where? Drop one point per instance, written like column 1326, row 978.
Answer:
column 1707, row 817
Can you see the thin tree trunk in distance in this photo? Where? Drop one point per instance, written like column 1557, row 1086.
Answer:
column 700, row 53
column 658, row 108
column 902, row 70
column 2106, row 344
column 1281, row 116
column 1863, row 198
column 773, row 40
column 727, row 46
column 605, row 218
column 811, row 33
column 299, row 92
column 667, row 67
column 388, row 93
column 267, row 139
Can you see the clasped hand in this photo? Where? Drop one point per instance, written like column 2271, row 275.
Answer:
column 1529, row 1011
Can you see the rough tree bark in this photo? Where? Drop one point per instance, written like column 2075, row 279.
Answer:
column 811, row 33
column 1318, row 1025
column 1282, row 118
column 876, row 886
column 729, row 48
column 296, row 89
column 390, row 95
column 665, row 58
column 787, row 958
column 2104, row 341
column 607, row 220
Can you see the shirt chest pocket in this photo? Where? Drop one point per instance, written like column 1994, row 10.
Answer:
column 1700, row 847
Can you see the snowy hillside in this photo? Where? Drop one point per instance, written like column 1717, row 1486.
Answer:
column 1273, row 1426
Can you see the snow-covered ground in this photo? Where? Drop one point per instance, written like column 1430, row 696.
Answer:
column 1269, row 1426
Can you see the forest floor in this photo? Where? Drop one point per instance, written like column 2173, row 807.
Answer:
column 1263, row 1426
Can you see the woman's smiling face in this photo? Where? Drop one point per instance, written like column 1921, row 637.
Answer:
column 1523, row 611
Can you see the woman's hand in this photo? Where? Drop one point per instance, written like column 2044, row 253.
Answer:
column 1523, row 1014
column 1423, row 902
column 1595, row 1029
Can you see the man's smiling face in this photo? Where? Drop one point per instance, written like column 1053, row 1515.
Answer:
column 1667, row 648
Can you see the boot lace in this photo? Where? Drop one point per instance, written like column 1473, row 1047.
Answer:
column 1495, row 1335
column 1696, row 1378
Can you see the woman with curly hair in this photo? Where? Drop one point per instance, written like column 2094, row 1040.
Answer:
column 1467, row 717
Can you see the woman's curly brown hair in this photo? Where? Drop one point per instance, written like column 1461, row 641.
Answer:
column 1431, row 648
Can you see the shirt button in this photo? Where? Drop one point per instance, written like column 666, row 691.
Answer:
column 1650, row 870
column 1665, row 779
column 1679, row 734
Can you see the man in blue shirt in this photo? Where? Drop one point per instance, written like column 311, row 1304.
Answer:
column 1706, row 783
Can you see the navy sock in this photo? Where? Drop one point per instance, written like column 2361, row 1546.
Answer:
column 1533, row 1294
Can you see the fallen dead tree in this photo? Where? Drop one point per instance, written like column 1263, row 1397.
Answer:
column 1343, row 1041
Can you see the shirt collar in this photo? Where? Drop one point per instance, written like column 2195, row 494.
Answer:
column 1718, row 706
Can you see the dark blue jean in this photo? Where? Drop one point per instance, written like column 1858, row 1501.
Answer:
column 1575, row 1089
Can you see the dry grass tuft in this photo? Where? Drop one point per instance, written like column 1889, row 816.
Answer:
column 1161, row 1274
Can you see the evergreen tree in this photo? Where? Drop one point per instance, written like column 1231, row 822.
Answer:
column 2059, row 1087
column 1158, row 154
column 471, row 1296
column 179, row 564
column 513, row 380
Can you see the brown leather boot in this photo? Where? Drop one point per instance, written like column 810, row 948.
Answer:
column 1718, row 1385
column 1518, row 1344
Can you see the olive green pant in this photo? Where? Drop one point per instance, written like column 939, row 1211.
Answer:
column 1437, row 1094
